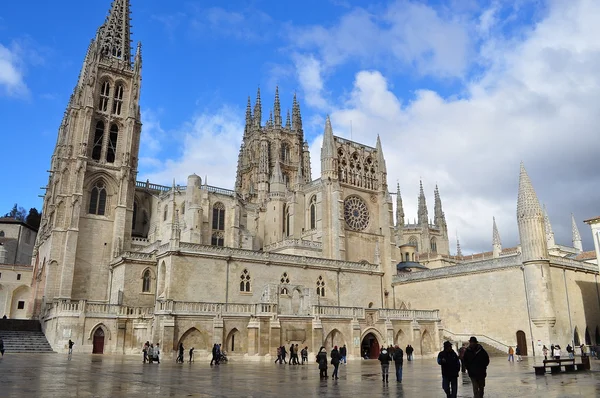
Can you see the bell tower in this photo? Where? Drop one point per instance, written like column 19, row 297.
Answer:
column 88, row 205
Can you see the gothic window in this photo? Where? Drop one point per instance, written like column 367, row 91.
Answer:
column 407, row 257
column 165, row 213
column 320, row 287
column 433, row 244
column 413, row 242
column 245, row 281
column 313, row 212
column 217, row 239
column 98, row 199
column 287, row 218
column 98, row 137
column 285, row 153
column 147, row 279
column 117, row 100
column 112, row 143
column 183, row 209
column 588, row 339
column 104, row 96
column 135, row 207
column 218, row 220
column 356, row 213
column 286, row 179
column 285, row 281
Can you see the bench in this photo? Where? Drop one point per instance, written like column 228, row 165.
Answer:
column 555, row 366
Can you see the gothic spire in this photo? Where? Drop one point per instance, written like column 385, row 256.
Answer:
column 422, row 214
column 576, row 236
column 328, row 152
column 296, row 117
column 277, row 176
column 548, row 227
column 270, row 122
column 527, row 203
column 380, row 158
column 532, row 234
column 288, row 124
column 495, row 234
column 257, row 110
column 399, row 208
column 248, row 117
column 115, row 34
column 277, row 108
column 458, row 249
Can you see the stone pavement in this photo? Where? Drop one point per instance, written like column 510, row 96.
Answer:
column 53, row 375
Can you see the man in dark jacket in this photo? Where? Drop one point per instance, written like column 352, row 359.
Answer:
column 343, row 353
column 398, row 358
column 450, row 364
column 476, row 362
column 409, row 352
column 335, row 361
column 385, row 359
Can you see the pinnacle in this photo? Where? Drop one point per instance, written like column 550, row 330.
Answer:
column 114, row 35
column 288, row 124
column 575, row 229
column 496, row 234
column 527, row 203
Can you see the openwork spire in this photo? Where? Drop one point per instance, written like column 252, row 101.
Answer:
column 496, row 235
column 380, row 158
column 277, row 108
column 248, row 117
column 422, row 214
column 115, row 34
column 399, row 208
column 288, row 124
column 296, row 117
column 577, row 244
column 458, row 248
column 257, row 110
column 528, row 204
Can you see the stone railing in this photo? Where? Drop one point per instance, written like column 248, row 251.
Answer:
column 574, row 264
column 154, row 187
column 202, row 308
column 218, row 190
column 140, row 241
column 87, row 308
column 138, row 256
column 294, row 243
column 408, row 315
column 464, row 337
column 268, row 257
column 461, row 269
column 330, row 311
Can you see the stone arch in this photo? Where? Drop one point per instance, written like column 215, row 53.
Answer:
column 576, row 339
column 371, row 341
column 152, row 279
column 196, row 338
column 587, row 337
column 334, row 338
column 402, row 339
column 21, row 293
column 102, row 326
column 427, row 345
column 234, row 342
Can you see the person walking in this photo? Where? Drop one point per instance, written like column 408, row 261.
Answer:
column 461, row 356
column 157, row 354
column 476, row 362
column 278, row 355
column 398, row 358
column 518, row 352
column 335, row 361
column 322, row 361
column 557, row 352
column 511, row 354
column 409, row 352
column 214, row 355
column 304, row 353
column 570, row 351
column 191, row 354
column 450, row 364
column 552, row 351
column 2, row 346
column 71, row 347
column 384, row 359
column 291, row 361
column 296, row 354
column 343, row 353
column 150, row 353
column 545, row 352
column 180, row 352
column 283, row 354
column 145, row 351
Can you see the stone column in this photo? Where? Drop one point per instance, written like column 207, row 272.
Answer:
column 253, row 330
column 167, row 336
column 218, row 330
column 354, row 346
column 389, row 329
column 317, row 335
column 416, row 337
column 275, row 340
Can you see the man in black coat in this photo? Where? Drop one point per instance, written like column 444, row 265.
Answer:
column 476, row 362
column 450, row 364
column 335, row 361
column 343, row 353
column 398, row 358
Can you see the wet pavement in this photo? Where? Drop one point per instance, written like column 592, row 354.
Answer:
column 53, row 375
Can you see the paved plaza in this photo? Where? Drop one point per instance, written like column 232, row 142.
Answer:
column 53, row 375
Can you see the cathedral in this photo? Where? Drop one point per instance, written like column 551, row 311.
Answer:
column 283, row 257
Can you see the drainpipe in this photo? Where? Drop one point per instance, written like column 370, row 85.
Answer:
column 528, row 310
column 568, row 306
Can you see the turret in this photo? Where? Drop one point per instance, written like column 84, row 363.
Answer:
column 576, row 236
column 328, row 153
column 548, row 227
column 496, row 243
column 175, row 229
column 531, row 221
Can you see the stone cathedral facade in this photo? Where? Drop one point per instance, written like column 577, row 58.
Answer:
column 282, row 258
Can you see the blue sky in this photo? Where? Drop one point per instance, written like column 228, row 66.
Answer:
column 460, row 92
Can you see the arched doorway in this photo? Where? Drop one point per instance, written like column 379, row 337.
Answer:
column 522, row 342
column 234, row 342
column 401, row 339
column 369, row 347
column 334, row 338
column 194, row 338
column 98, row 342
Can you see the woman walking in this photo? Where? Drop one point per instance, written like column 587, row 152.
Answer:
column 322, row 361
column 385, row 359
column 335, row 361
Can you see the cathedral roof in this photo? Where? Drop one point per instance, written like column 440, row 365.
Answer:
column 589, row 255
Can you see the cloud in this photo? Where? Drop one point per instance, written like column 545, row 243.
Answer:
column 308, row 70
column 11, row 72
column 249, row 24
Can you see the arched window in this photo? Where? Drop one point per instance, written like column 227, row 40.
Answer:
column 182, row 209
column 407, row 257
column 285, row 281
column 117, row 100
column 588, row 338
column 165, row 213
column 245, row 281
column 135, row 207
column 313, row 212
column 1, row 234
column 98, row 199
column 286, row 221
column 217, row 239
column 98, row 138
column 147, row 280
column 112, row 143
column 320, row 287
column 413, row 242
column 285, row 152
column 218, row 220
column 433, row 244
column 104, row 96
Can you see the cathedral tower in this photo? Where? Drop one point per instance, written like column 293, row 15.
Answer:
column 536, row 264
column 88, row 206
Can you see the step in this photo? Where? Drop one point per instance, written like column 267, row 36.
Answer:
column 25, row 341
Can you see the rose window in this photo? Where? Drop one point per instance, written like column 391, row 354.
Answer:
column 356, row 213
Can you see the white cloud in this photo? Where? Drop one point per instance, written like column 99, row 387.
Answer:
column 11, row 72
column 308, row 70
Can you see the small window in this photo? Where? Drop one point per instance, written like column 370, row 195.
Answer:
column 147, row 279
column 217, row 239
column 20, row 305
column 18, row 277
column 104, row 96
column 98, row 199
column 218, row 221
column 320, row 287
column 313, row 212
column 245, row 281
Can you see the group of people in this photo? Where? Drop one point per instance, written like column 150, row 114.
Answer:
column 512, row 352
column 396, row 355
column 474, row 359
column 282, row 354
column 151, row 352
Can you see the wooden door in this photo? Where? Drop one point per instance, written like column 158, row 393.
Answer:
column 522, row 342
column 98, row 341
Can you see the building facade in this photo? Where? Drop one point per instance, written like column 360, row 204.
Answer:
column 282, row 258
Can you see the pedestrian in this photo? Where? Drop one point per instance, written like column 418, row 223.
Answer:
column 278, row 355
column 343, row 353
column 450, row 364
column 214, row 355
column 552, row 351
column 335, row 361
column 384, row 358
column 511, row 354
column 518, row 352
column 296, row 350
column 218, row 354
column 2, row 346
column 583, row 353
column 570, row 351
column 283, row 354
column 398, row 358
column 157, row 353
column 461, row 356
column 191, row 354
column 145, row 350
column 557, row 352
column 476, row 362
column 150, row 353
column 304, row 353
column 409, row 352
column 180, row 354
column 545, row 352
column 291, row 361
column 71, row 347
column 322, row 361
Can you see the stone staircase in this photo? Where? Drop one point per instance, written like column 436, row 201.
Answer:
column 23, row 336
column 491, row 345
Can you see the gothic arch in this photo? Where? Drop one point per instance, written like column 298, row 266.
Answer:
column 588, row 339
column 234, row 342
column 427, row 346
column 109, row 181
column 401, row 338
column 334, row 338
column 152, row 279
column 194, row 337
column 375, row 333
column 21, row 293
column 101, row 326
column 576, row 339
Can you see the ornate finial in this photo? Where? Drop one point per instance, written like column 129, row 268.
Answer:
column 270, row 122
column 115, row 35
column 458, row 249
column 422, row 213
column 257, row 110
column 399, row 208
column 288, row 124
column 496, row 235
column 248, row 117
column 577, row 244
column 277, row 108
